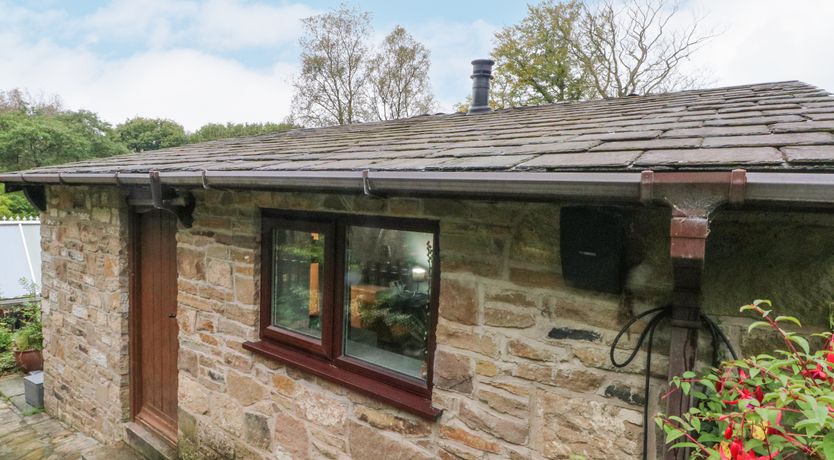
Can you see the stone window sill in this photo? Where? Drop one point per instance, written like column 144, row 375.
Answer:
column 402, row 399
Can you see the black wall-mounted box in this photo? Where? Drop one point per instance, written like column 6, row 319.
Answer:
column 592, row 248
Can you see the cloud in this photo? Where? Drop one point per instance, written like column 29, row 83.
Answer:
column 211, row 24
column 767, row 40
column 232, row 60
column 229, row 24
column 453, row 46
column 188, row 86
column 174, row 72
column 156, row 22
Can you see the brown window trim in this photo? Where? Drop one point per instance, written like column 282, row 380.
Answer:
column 325, row 358
column 296, row 339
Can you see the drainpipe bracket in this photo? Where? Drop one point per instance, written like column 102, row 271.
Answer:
column 179, row 203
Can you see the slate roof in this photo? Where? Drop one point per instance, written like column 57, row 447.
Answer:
column 785, row 125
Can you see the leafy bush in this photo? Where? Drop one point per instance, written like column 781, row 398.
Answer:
column 30, row 335
column 5, row 338
column 763, row 407
column 7, row 363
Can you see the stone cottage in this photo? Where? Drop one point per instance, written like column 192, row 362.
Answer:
column 444, row 286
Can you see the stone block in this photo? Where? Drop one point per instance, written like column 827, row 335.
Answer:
column 453, row 372
column 504, row 402
column 245, row 389
column 504, row 317
column 465, row 338
column 367, row 443
column 392, row 421
column 458, row 301
column 510, row 430
column 256, row 430
column 469, row 439
column 33, row 389
column 290, row 435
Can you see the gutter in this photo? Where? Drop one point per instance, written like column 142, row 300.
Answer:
column 616, row 186
column 809, row 188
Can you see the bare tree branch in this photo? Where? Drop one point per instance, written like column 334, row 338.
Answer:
column 633, row 49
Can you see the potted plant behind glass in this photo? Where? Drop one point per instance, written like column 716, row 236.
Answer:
column 28, row 340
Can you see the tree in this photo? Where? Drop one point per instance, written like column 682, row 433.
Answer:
column 331, row 87
column 399, row 80
column 342, row 81
column 141, row 134
column 14, row 205
column 18, row 100
column 214, row 131
column 635, row 49
column 34, row 140
column 533, row 60
column 568, row 50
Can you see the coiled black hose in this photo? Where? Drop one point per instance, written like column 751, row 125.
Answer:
column 661, row 313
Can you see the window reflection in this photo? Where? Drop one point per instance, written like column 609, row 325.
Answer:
column 297, row 282
column 387, row 298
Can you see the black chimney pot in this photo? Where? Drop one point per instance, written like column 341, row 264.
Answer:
column 481, row 75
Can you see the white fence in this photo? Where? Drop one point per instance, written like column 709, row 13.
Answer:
column 20, row 253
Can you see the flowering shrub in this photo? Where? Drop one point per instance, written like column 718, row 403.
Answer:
column 765, row 407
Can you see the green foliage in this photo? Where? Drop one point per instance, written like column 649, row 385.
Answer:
column 33, row 411
column 37, row 133
column 5, row 338
column 29, row 140
column 30, row 335
column 533, row 62
column 762, row 407
column 14, row 205
column 7, row 362
column 141, row 134
column 567, row 50
column 401, row 312
column 214, row 131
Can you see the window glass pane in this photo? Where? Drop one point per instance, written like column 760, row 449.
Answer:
column 387, row 298
column 297, row 281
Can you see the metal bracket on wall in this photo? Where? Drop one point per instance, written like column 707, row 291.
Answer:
column 35, row 194
column 367, row 188
column 165, row 198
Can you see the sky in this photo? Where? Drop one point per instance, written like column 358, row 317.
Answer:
column 200, row 61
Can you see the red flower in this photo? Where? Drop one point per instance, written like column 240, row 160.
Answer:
column 770, row 430
column 759, row 394
column 737, row 453
column 728, row 433
column 816, row 374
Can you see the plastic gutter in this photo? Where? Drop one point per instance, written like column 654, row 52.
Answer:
column 810, row 188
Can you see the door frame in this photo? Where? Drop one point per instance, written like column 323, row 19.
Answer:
column 134, row 323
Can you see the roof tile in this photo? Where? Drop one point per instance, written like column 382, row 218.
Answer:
column 580, row 160
column 688, row 142
column 711, row 128
column 710, row 157
column 775, row 140
column 809, row 153
column 805, row 126
column 711, row 131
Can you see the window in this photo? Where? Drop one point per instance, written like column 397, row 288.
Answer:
column 352, row 299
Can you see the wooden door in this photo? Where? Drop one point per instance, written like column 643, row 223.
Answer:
column 155, row 330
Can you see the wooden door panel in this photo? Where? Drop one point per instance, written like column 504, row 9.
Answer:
column 156, row 302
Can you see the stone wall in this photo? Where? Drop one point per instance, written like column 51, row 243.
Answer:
column 521, row 368
column 85, row 306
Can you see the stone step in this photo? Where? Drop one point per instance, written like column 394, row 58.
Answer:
column 150, row 445
column 119, row 451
